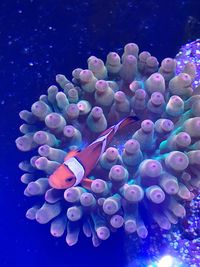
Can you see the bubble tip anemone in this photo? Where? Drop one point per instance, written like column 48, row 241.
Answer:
column 145, row 167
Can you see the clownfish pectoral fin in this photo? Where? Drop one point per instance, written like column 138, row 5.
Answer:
column 71, row 154
column 86, row 183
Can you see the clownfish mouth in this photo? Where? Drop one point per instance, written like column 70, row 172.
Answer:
column 54, row 185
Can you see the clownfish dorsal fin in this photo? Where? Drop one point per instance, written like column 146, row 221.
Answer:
column 86, row 183
column 71, row 154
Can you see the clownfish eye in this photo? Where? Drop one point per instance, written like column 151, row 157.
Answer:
column 69, row 179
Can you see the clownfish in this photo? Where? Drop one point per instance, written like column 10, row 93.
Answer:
column 78, row 164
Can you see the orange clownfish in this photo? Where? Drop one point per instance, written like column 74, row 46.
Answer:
column 77, row 164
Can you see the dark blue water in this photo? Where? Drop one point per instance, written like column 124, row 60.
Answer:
column 39, row 39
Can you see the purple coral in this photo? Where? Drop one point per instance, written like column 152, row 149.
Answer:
column 149, row 170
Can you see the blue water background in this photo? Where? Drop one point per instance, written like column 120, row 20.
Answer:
column 39, row 39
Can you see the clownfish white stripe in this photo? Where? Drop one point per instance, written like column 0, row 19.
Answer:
column 116, row 127
column 76, row 168
column 102, row 139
